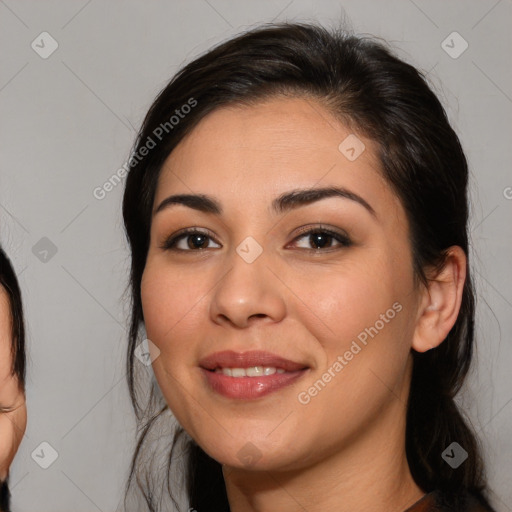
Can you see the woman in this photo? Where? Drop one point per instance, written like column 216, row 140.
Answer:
column 297, row 214
column 13, row 411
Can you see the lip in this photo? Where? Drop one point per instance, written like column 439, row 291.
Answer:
column 246, row 388
column 231, row 359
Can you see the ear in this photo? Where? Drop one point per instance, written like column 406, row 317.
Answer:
column 440, row 302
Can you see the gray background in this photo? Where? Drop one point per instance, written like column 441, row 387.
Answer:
column 67, row 124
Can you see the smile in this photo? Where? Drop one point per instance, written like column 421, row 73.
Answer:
column 253, row 371
column 249, row 375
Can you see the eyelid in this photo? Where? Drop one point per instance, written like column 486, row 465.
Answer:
column 303, row 230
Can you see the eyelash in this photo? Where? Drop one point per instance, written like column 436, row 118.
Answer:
column 170, row 243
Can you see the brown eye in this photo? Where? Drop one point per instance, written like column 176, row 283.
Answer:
column 323, row 238
column 194, row 240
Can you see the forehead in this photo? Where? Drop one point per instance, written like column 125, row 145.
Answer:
column 257, row 152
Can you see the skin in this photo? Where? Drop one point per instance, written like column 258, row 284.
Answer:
column 349, row 439
column 13, row 421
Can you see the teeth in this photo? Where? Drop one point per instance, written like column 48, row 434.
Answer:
column 253, row 371
column 237, row 372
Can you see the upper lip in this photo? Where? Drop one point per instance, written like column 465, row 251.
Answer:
column 231, row 359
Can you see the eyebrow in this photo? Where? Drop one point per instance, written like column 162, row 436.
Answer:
column 284, row 203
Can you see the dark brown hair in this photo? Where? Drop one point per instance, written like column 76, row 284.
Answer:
column 361, row 82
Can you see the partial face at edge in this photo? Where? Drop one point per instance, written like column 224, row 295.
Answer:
column 12, row 423
column 307, row 304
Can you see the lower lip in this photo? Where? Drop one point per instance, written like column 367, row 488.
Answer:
column 247, row 388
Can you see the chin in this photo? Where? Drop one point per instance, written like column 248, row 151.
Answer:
column 253, row 453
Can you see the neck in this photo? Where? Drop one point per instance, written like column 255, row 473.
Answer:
column 370, row 473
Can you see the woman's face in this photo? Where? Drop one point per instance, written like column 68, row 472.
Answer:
column 338, row 306
column 12, row 400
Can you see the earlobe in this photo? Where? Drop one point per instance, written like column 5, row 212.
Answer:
column 441, row 301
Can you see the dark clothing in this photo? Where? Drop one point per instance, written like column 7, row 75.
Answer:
column 437, row 501
column 5, row 496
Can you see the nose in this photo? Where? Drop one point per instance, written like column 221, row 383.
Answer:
column 248, row 293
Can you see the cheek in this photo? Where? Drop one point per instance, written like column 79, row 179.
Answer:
column 171, row 304
column 347, row 300
column 172, row 318
column 364, row 307
column 365, row 349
